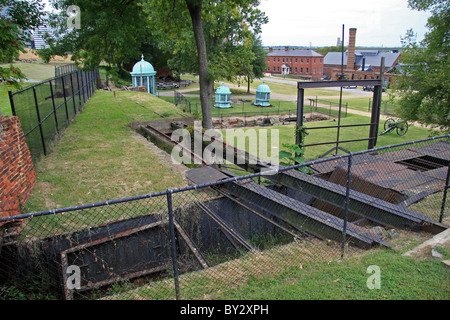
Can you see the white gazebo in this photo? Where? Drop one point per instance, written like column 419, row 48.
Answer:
column 143, row 74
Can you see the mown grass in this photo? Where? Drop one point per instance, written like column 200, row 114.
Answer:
column 99, row 157
column 401, row 278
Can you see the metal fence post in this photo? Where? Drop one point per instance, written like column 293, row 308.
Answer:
column 39, row 120
column 347, row 200
column 444, row 198
column 73, row 94
column 173, row 245
column 11, row 100
column 65, row 98
column 54, row 106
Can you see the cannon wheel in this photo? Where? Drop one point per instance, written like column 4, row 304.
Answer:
column 388, row 123
column 402, row 128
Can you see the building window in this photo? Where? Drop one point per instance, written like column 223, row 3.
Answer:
column 314, row 60
column 278, row 68
column 295, row 60
column 278, row 59
column 320, row 70
column 307, row 70
column 283, row 59
column 301, row 60
column 295, row 69
column 274, row 60
column 307, row 60
column 274, row 69
column 301, row 70
column 314, row 70
column 320, row 60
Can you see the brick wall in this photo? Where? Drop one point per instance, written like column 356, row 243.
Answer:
column 17, row 174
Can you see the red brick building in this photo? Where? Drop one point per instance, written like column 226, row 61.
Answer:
column 301, row 62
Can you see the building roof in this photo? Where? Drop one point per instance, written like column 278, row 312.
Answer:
column 372, row 57
column 294, row 53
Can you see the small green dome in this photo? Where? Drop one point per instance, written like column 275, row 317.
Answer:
column 143, row 67
column 263, row 88
column 223, row 89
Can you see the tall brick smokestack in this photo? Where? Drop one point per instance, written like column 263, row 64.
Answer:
column 351, row 49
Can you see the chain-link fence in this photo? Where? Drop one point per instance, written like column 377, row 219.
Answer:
column 207, row 240
column 46, row 109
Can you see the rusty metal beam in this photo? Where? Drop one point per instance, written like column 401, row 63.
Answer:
column 314, row 221
column 196, row 252
column 337, row 83
column 361, row 204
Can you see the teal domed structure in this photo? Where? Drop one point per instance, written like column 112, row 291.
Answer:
column 143, row 74
column 223, row 97
column 262, row 95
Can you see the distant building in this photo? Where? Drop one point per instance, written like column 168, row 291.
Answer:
column 39, row 37
column 359, row 64
column 302, row 62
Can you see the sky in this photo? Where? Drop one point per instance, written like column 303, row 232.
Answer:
column 319, row 22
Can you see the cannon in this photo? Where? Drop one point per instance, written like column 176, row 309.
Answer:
column 400, row 126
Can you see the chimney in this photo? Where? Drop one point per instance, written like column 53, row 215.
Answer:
column 351, row 50
column 286, row 48
column 270, row 49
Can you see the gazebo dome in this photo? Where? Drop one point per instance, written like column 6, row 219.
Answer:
column 223, row 97
column 263, row 88
column 143, row 74
column 262, row 95
column 223, row 89
column 143, row 67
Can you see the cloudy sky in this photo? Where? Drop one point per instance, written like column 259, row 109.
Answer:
column 319, row 22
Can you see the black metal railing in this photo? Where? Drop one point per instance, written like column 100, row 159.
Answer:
column 46, row 108
column 206, row 240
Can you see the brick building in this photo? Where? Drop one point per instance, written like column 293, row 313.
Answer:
column 305, row 63
column 17, row 174
column 359, row 64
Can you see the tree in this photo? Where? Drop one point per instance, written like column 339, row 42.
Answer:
column 424, row 87
column 112, row 31
column 259, row 65
column 213, row 39
column 195, row 11
column 18, row 19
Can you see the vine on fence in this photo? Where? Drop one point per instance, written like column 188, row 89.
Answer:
column 296, row 152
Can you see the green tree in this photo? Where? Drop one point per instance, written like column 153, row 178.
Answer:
column 424, row 86
column 211, row 39
column 258, row 64
column 18, row 18
column 112, row 31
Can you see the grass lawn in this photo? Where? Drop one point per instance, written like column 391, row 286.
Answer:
column 100, row 157
column 401, row 278
column 36, row 71
column 287, row 135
